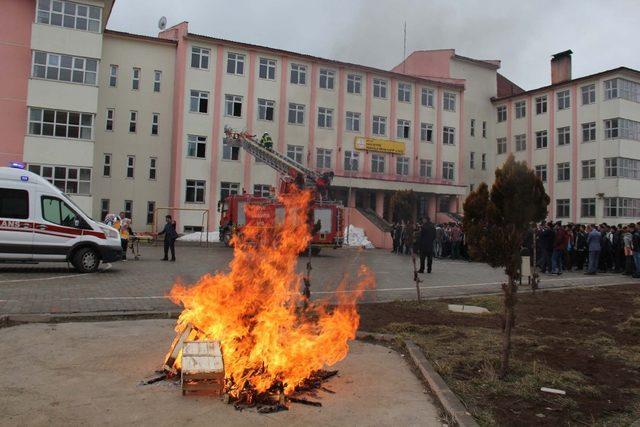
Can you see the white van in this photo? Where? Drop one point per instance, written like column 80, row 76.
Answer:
column 39, row 223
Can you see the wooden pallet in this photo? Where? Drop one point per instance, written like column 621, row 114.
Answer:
column 202, row 367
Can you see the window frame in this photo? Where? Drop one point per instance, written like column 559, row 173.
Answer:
column 130, row 166
column 588, row 94
column 199, row 96
column 328, row 76
column 354, row 84
column 196, row 142
column 93, row 24
column 300, row 72
column 380, row 85
column 352, row 121
column 198, row 187
column 203, row 54
column 269, row 65
column 236, row 61
column 231, row 103
column 563, row 98
column 299, row 111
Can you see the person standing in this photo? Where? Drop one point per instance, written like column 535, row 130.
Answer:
column 170, row 236
column 438, row 241
column 559, row 246
column 456, row 241
column 635, row 242
column 627, row 243
column 580, row 247
column 123, row 225
column 427, row 236
column 594, row 239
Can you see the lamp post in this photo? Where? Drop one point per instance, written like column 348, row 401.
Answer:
column 352, row 163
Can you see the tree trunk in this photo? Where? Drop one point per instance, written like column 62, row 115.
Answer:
column 509, row 290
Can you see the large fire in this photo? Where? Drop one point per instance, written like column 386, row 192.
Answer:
column 256, row 309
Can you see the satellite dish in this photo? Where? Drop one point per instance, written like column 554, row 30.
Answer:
column 162, row 23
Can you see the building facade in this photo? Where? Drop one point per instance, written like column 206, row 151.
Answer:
column 126, row 122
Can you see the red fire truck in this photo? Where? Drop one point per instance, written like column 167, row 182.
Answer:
column 327, row 214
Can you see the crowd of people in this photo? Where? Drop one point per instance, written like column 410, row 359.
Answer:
column 592, row 248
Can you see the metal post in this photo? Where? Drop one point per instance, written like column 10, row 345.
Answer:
column 352, row 163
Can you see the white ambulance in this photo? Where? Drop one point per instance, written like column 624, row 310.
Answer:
column 39, row 223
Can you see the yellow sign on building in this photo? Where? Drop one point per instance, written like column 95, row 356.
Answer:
column 379, row 145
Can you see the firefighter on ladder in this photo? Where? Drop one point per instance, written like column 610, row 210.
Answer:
column 266, row 141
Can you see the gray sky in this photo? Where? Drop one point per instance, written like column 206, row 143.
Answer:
column 523, row 34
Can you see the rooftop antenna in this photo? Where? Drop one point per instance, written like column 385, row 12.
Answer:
column 404, row 49
column 162, row 23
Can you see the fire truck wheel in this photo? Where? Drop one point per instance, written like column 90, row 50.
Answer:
column 86, row 260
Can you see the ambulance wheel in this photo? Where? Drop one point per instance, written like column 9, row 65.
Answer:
column 86, row 260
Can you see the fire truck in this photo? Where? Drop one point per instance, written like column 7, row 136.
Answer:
column 325, row 216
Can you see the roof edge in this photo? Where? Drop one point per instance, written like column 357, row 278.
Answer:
column 139, row 37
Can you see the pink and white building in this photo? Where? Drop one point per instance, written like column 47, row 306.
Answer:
column 129, row 122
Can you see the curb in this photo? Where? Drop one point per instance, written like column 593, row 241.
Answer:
column 447, row 398
column 17, row 319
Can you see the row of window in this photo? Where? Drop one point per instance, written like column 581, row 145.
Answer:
column 62, row 13
column 127, row 208
column 110, row 121
column 200, row 59
column 614, row 88
column 130, row 167
column 614, row 167
column 613, row 129
column 70, row 180
column 614, row 207
column 136, row 77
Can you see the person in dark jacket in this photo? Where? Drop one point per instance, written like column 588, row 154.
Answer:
column 427, row 236
column 170, row 236
column 559, row 247
column 547, row 236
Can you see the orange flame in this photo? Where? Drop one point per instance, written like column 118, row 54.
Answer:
column 255, row 309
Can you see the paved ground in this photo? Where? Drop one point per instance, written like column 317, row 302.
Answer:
column 88, row 374
column 143, row 285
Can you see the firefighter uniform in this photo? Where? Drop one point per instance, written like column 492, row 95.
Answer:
column 266, row 141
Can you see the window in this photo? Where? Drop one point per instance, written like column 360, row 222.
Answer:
column 65, row 68
column 426, row 98
column 502, row 113
column 502, row 145
column 472, row 160
column 403, row 129
column 192, row 229
column 135, row 79
column 588, row 169
column 58, row 212
column 588, row 207
column 155, row 123
column 113, row 75
column 261, row 190
column 157, row 78
column 541, row 139
column 521, row 142
column 151, row 207
column 128, row 208
column 104, row 208
column 229, row 152
column 622, row 167
column 70, row 180
column 521, row 109
column 564, row 100
column 379, row 88
column 564, row 135
column 541, row 172
column 589, row 132
column 294, row 152
column 611, row 129
column 621, row 128
column 611, row 167
column 111, row 113
column 266, row 108
column 195, row 191
column 200, row 58
column 541, row 104
column 379, row 125
column 235, row 63
column 625, row 89
column 472, row 127
column 14, row 203
column 449, row 101
column 448, row 170
column 63, row 124
column 484, row 129
column 351, row 160
column 298, row 74
column 133, row 121
column 325, row 117
column 484, row 161
column 196, row 146
column 106, row 165
column 610, row 89
column 377, row 163
column 233, row 105
column 354, row 83
column 296, row 114
column 327, row 78
column 153, row 168
column 621, row 207
column 402, row 166
column 199, row 102
column 353, row 121
column 564, row 171
column 267, row 69
column 228, row 188
column 563, row 208
column 131, row 165
column 426, row 168
column 448, row 135
column 404, row 92
column 66, row 14
column 426, row 132
column 588, row 94
column 323, row 158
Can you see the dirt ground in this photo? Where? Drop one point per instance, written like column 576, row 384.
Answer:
column 586, row 342
column 88, row 374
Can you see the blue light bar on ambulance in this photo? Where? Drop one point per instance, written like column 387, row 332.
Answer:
column 16, row 165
